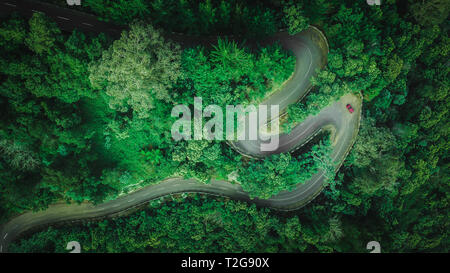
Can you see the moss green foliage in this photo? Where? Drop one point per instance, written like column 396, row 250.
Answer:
column 59, row 137
column 137, row 69
column 295, row 18
column 371, row 52
column 46, row 147
column 231, row 74
column 208, row 226
column 86, row 118
column 264, row 178
column 239, row 17
column 431, row 12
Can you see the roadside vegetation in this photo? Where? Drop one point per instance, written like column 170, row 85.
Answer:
column 88, row 118
column 66, row 131
column 210, row 17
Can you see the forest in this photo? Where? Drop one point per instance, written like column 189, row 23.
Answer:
column 85, row 117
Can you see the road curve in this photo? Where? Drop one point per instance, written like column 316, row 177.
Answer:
column 310, row 52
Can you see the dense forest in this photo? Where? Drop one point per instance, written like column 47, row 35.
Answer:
column 79, row 124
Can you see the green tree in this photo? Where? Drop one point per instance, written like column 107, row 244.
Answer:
column 42, row 35
column 295, row 18
column 137, row 69
column 431, row 12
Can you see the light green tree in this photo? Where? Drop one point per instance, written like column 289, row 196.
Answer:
column 296, row 21
column 137, row 69
column 42, row 35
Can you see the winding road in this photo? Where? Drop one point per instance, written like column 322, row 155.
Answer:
column 310, row 49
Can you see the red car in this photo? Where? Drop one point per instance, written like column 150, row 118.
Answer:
column 350, row 109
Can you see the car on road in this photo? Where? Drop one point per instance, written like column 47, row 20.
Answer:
column 350, row 108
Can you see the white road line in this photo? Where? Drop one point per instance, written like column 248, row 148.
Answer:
column 9, row 4
column 115, row 206
column 129, row 201
column 89, row 25
column 4, row 237
column 64, row 18
column 37, row 11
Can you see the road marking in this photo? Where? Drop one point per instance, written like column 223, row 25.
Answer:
column 4, row 237
column 9, row 4
column 37, row 11
column 129, row 201
column 89, row 25
column 115, row 206
column 64, row 18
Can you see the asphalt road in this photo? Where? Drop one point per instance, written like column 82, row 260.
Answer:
column 310, row 53
column 310, row 49
column 66, row 18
